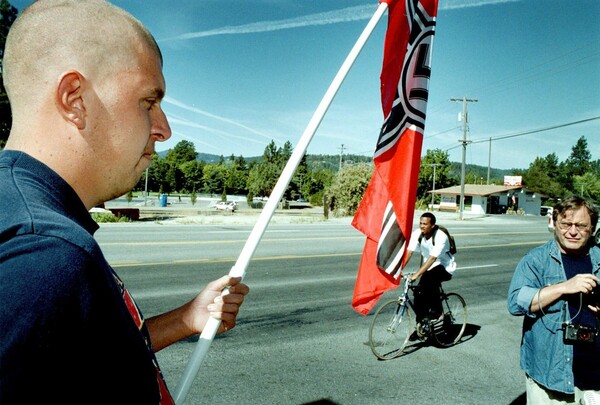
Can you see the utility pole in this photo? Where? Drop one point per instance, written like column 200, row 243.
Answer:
column 489, row 160
column 465, row 120
column 146, row 188
column 341, row 154
column 433, row 190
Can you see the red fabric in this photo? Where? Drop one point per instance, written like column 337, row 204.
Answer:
column 370, row 282
column 400, row 175
column 396, row 172
column 396, row 38
column 403, row 169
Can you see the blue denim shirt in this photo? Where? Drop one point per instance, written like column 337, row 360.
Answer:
column 544, row 356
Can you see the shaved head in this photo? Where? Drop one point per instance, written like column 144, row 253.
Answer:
column 51, row 37
column 84, row 80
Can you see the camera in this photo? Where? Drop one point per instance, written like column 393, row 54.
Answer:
column 579, row 333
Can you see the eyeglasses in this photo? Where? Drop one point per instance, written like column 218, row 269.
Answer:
column 565, row 226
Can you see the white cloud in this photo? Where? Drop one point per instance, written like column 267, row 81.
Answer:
column 347, row 14
column 176, row 103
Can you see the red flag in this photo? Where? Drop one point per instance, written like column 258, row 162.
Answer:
column 385, row 214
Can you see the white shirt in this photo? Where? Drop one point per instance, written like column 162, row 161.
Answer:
column 440, row 250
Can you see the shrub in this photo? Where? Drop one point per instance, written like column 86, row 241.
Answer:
column 108, row 217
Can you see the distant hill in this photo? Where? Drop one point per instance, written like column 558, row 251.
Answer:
column 476, row 172
column 209, row 158
column 332, row 162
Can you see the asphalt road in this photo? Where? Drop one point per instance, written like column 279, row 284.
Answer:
column 298, row 341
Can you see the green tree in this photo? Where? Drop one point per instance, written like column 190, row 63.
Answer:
column 158, row 174
column 184, row 151
column 263, row 175
column 588, row 185
column 577, row 164
column 348, row 188
column 442, row 163
column 8, row 14
column 214, row 176
column 314, row 188
column 300, row 178
column 192, row 172
column 262, row 178
column 551, row 166
column 542, row 177
column 236, row 176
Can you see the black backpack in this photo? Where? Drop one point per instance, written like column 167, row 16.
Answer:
column 450, row 238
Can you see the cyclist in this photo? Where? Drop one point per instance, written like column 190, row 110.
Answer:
column 437, row 266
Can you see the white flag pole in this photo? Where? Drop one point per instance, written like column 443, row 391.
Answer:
column 239, row 269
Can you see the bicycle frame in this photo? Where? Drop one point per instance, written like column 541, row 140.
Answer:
column 404, row 301
column 393, row 325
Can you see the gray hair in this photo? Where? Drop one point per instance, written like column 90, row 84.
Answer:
column 575, row 202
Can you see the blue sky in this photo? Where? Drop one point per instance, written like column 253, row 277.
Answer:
column 241, row 73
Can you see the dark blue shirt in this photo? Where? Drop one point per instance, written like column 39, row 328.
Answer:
column 586, row 355
column 66, row 335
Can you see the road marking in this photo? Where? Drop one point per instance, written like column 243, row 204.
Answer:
column 230, row 259
column 289, row 257
column 477, row 267
column 207, row 242
column 502, row 245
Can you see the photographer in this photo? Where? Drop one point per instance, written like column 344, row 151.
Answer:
column 556, row 287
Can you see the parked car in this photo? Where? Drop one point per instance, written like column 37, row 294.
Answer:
column 226, row 206
column 545, row 210
column 550, row 223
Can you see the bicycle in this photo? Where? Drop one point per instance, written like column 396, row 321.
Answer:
column 394, row 323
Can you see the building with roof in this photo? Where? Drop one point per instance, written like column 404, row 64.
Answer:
column 490, row 199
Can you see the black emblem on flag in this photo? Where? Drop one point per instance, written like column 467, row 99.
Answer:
column 410, row 102
column 408, row 112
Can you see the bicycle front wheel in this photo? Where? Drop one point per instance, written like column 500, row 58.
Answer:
column 449, row 331
column 390, row 330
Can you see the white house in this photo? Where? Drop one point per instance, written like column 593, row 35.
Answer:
column 490, row 199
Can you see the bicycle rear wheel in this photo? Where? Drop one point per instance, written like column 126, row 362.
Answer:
column 390, row 330
column 449, row 331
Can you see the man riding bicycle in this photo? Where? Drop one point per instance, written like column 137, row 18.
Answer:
column 437, row 266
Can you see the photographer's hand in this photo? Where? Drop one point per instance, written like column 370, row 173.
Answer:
column 581, row 283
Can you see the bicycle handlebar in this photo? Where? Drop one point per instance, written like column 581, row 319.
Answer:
column 407, row 277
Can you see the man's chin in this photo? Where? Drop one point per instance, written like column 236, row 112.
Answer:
column 574, row 247
column 145, row 162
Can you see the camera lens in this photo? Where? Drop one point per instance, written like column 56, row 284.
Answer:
column 584, row 335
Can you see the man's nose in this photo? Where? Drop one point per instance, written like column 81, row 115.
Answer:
column 161, row 129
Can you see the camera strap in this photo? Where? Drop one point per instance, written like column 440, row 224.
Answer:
column 564, row 310
column 563, row 322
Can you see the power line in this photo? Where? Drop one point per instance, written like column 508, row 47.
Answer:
column 440, row 133
column 537, row 130
column 534, row 131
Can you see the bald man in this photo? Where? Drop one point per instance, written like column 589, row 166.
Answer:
column 85, row 83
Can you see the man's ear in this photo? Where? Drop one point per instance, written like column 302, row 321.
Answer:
column 69, row 98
